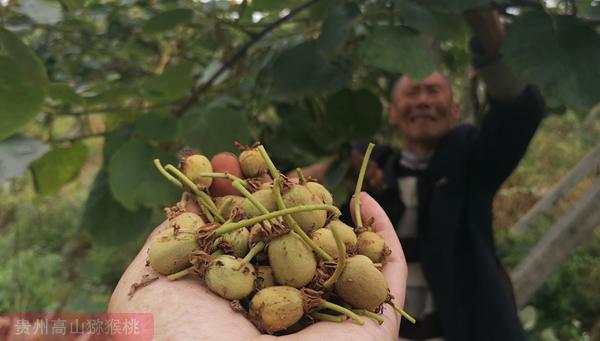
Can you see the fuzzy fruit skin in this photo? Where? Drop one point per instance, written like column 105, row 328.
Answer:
column 300, row 195
column 346, row 233
column 292, row 261
column 194, row 165
column 225, row 278
column 325, row 240
column 265, row 197
column 169, row 252
column 266, row 274
column 361, row 284
column 186, row 221
column 238, row 241
column 276, row 308
column 320, row 191
column 252, row 163
column 227, row 203
column 371, row 245
column 221, row 163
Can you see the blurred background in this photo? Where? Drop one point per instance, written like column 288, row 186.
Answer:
column 91, row 91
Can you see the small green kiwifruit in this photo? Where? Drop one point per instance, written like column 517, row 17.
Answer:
column 252, row 163
column 265, row 276
column 299, row 195
column 276, row 308
column 361, row 284
column 265, row 197
column 195, row 164
column 320, row 191
column 169, row 252
column 227, row 203
column 229, row 277
column 236, row 242
column 346, row 233
column 325, row 240
column 186, row 221
column 373, row 246
column 292, row 261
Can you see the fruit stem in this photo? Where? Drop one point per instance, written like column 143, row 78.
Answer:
column 224, row 175
column 205, row 210
column 342, row 310
column 224, row 204
column 238, row 185
column 341, row 263
column 326, row 317
column 166, row 174
column 272, row 169
column 253, row 252
column 359, row 182
column 301, row 176
column 402, row 312
column 180, row 274
column 369, row 314
column 204, row 198
column 229, row 227
column 295, row 226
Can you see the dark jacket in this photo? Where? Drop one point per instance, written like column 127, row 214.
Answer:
column 456, row 243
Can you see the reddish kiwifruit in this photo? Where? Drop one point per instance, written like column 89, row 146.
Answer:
column 325, row 240
column 265, row 197
column 373, row 246
column 252, row 163
column 195, row 164
column 170, row 250
column 361, row 284
column 320, row 191
column 227, row 203
column 346, row 233
column 276, row 308
column 264, row 275
column 292, row 261
column 298, row 195
column 229, row 277
column 236, row 242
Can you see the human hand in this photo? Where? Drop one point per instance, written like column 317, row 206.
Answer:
column 186, row 309
column 487, row 28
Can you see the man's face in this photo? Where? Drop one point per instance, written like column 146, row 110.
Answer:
column 423, row 110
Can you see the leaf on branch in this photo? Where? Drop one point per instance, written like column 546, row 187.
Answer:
column 353, row 115
column 58, row 167
column 168, row 20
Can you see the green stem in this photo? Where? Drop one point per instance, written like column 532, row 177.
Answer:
column 342, row 310
column 224, row 204
column 223, row 175
column 211, row 206
column 402, row 312
column 341, row 263
column 238, row 185
column 272, row 169
column 253, row 252
column 205, row 210
column 369, row 314
column 229, row 227
column 359, row 182
column 180, row 274
column 166, row 174
column 301, row 176
column 326, row 317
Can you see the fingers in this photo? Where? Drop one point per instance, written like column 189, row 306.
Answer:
column 225, row 162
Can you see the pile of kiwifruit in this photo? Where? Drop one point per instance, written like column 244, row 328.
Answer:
column 276, row 250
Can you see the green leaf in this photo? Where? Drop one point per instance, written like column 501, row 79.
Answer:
column 22, row 84
column 455, row 6
column 337, row 27
column 273, row 5
column 173, row 83
column 64, row 94
column 213, row 130
column 353, row 115
column 303, row 71
column 558, row 53
column 16, row 153
column 42, row 11
column 107, row 220
column 133, row 179
column 58, row 167
column 397, row 50
column 168, row 20
column 156, row 127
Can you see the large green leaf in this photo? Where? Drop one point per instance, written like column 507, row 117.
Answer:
column 58, row 167
column 16, row 153
column 42, row 11
column 22, row 84
column 168, row 20
column 337, row 27
column 304, row 71
column 173, row 83
column 558, row 53
column 397, row 50
column 212, row 130
column 156, row 127
column 64, row 94
column 107, row 220
column 455, row 6
column 353, row 115
column 133, row 179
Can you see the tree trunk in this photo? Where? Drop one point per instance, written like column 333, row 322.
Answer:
column 574, row 177
column 556, row 245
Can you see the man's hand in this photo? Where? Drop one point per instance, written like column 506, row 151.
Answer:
column 186, row 310
column 487, row 28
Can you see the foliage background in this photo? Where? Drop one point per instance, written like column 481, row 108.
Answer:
column 93, row 90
